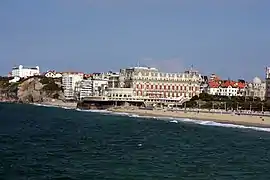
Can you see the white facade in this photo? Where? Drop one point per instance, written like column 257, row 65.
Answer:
column 52, row 74
column 99, row 86
column 224, row 91
column 90, row 87
column 85, row 88
column 69, row 81
column 24, row 72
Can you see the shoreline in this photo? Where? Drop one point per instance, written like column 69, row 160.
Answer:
column 53, row 103
column 245, row 120
column 59, row 104
column 233, row 119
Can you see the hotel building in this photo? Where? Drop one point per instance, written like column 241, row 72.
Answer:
column 149, row 84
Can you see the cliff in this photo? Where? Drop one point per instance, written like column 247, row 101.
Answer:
column 32, row 90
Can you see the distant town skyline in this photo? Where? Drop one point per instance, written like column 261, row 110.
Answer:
column 228, row 38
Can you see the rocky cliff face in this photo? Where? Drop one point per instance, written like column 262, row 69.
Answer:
column 37, row 89
column 8, row 92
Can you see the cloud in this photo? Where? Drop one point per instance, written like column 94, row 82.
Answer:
column 165, row 65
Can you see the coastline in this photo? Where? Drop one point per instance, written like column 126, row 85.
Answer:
column 58, row 103
column 246, row 120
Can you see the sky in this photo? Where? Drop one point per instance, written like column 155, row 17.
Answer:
column 228, row 37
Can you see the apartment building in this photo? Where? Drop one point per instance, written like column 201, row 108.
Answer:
column 84, row 88
column 69, row 82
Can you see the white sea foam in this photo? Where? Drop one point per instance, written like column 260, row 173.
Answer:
column 93, row 110
column 43, row 105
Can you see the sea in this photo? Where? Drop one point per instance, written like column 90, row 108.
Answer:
column 44, row 143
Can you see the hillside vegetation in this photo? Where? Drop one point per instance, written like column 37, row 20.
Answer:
column 32, row 89
column 208, row 101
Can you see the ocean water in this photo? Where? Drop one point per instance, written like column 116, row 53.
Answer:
column 39, row 143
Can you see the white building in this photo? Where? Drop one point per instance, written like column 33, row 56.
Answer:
column 99, row 86
column 53, row 74
column 226, row 88
column 93, row 86
column 90, row 87
column 84, row 88
column 69, row 81
column 24, row 72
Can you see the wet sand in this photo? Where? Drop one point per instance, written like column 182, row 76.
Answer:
column 216, row 117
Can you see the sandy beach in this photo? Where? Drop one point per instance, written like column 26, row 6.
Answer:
column 216, row 117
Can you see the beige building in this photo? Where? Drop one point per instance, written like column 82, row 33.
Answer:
column 256, row 88
column 152, row 85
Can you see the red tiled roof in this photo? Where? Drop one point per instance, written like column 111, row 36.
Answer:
column 213, row 84
column 226, row 84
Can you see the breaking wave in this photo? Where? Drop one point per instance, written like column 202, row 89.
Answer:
column 177, row 120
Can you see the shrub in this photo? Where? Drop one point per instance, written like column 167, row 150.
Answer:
column 51, row 87
column 46, row 80
column 56, row 96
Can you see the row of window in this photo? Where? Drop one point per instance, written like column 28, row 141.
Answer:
column 166, row 94
column 227, row 90
column 167, row 79
column 157, row 74
column 168, row 87
column 119, row 95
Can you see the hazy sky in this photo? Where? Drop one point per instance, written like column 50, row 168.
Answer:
column 227, row 37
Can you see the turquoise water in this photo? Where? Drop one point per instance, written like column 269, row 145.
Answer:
column 51, row 143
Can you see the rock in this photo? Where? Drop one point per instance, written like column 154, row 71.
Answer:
column 32, row 91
